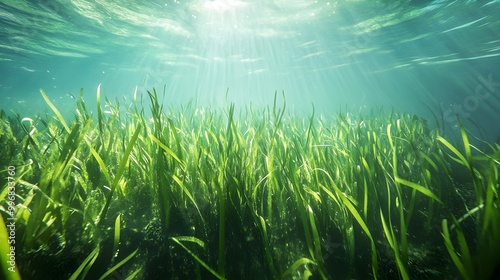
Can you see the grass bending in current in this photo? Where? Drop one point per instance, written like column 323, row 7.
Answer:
column 198, row 193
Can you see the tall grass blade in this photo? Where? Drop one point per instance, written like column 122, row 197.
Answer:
column 167, row 150
column 101, row 163
column 119, row 173
column 202, row 263
column 82, row 270
column 187, row 192
column 347, row 203
column 54, row 109
column 393, row 243
column 423, row 190
column 298, row 263
column 100, row 118
column 466, row 273
column 116, row 239
column 316, row 242
column 118, row 265
column 461, row 159
column 267, row 245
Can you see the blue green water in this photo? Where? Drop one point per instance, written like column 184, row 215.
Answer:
column 416, row 56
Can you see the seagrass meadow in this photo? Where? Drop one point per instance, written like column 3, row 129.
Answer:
column 147, row 192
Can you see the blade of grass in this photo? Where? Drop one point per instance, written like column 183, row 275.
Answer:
column 267, row 245
column 99, row 109
column 119, row 173
column 54, row 109
column 116, row 239
column 461, row 159
column 298, row 263
column 400, row 248
column 118, row 265
column 466, row 273
column 82, row 270
column 316, row 243
column 423, row 190
column 221, row 193
column 176, row 138
column 478, row 188
column 167, row 150
column 101, row 163
column 347, row 203
column 491, row 212
column 393, row 243
column 202, row 263
column 191, row 239
column 188, row 193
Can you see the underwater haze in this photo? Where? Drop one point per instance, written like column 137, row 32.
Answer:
column 249, row 139
column 418, row 56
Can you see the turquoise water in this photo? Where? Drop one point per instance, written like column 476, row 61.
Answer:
column 254, row 198
column 416, row 56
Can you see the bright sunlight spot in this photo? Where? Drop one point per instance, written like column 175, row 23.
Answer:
column 223, row 5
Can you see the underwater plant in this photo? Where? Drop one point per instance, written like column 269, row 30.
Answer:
column 197, row 193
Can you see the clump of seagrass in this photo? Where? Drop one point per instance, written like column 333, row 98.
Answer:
column 233, row 193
